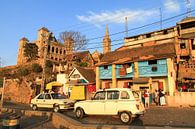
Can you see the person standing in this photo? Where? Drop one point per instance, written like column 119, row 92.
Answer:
column 162, row 98
column 146, row 97
column 156, row 97
column 184, row 88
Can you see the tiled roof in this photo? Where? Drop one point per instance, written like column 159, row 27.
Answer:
column 80, row 55
column 88, row 74
column 139, row 54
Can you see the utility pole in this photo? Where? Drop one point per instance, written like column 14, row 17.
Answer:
column 0, row 62
column 2, row 94
column 188, row 6
column 126, row 26
column 44, row 62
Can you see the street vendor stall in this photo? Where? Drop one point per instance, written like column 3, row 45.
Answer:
column 54, row 86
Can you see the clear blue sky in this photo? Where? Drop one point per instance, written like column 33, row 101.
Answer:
column 22, row 18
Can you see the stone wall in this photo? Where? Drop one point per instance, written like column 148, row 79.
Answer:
column 181, row 99
column 16, row 91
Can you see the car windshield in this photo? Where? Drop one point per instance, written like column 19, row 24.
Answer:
column 57, row 96
column 136, row 94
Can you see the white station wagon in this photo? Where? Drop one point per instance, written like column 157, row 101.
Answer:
column 54, row 101
column 118, row 101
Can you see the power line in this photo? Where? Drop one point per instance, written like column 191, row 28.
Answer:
column 132, row 29
column 86, row 24
column 141, row 26
column 157, row 22
column 136, row 28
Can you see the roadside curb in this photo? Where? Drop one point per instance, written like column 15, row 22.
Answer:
column 65, row 122
column 30, row 113
column 61, row 121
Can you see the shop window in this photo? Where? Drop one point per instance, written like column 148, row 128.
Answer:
column 152, row 62
column 182, row 45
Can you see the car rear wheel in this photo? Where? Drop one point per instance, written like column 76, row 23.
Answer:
column 125, row 117
column 79, row 113
column 34, row 107
column 56, row 108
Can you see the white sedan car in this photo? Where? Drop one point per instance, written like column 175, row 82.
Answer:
column 54, row 101
column 118, row 101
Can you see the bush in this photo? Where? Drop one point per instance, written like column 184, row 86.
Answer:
column 83, row 64
column 23, row 72
column 36, row 68
column 49, row 64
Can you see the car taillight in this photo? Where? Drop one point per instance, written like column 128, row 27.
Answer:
column 137, row 107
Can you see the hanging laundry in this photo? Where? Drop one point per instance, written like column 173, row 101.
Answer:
column 129, row 70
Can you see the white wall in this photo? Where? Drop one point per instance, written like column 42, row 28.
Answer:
column 62, row 78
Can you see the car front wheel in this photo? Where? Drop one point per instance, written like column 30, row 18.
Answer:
column 125, row 117
column 34, row 107
column 79, row 113
column 56, row 108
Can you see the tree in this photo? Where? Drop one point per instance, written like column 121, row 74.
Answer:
column 73, row 40
column 23, row 72
column 49, row 64
column 83, row 64
column 36, row 68
column 31, row 51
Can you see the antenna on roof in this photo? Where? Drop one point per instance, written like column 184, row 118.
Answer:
column 126, row 26
column 160, row 11
column 188, row 6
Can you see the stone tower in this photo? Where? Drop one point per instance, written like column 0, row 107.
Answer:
column 21, row 58
column 106, row 42
column 43, row 35
column 69, row 45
